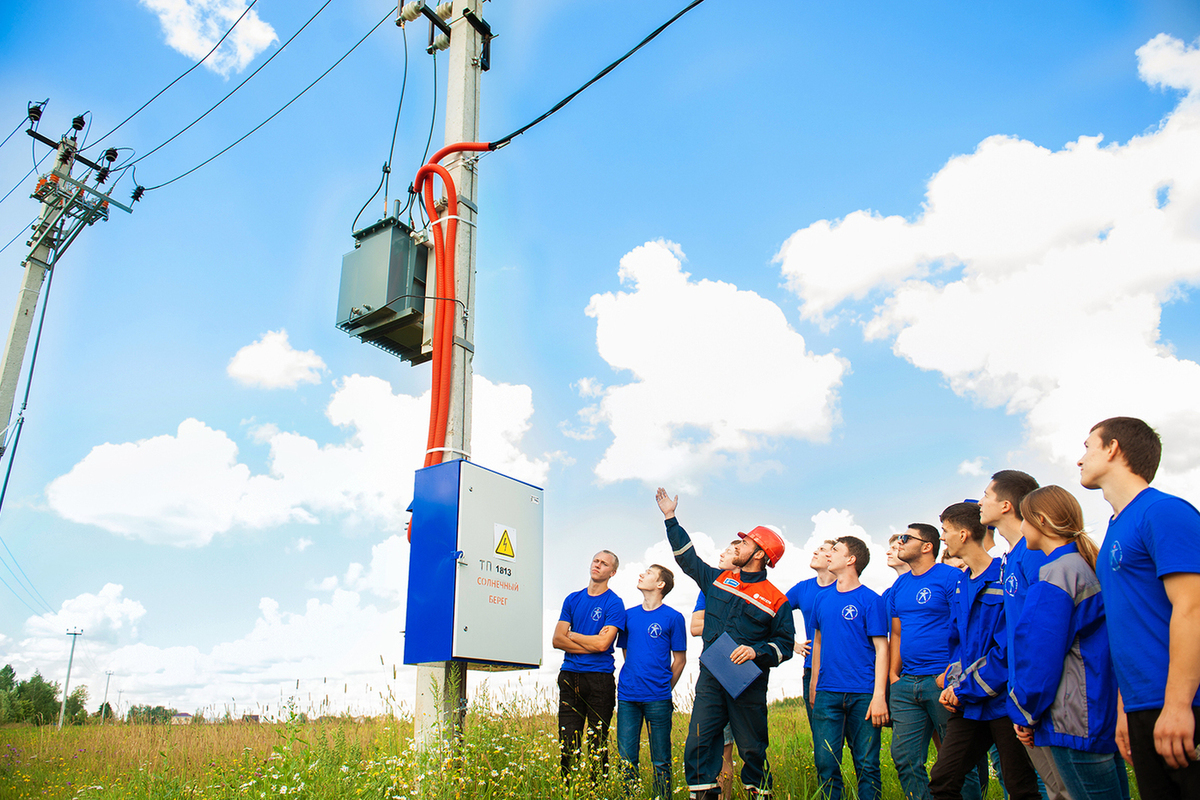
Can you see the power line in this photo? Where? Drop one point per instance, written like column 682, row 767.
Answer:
column 181, row 77
column 387, row 167
column 19, row 125
column 18, row 236
column 504, row 140
column 27, row 174
column 239, row 86
column 280, row 111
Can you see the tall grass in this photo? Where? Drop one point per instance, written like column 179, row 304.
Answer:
column 508, row 751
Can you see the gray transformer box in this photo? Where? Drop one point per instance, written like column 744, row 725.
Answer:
column 384, row 285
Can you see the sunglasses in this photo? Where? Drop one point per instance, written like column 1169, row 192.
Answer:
column 905, row 538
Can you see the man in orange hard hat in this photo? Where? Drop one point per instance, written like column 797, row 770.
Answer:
column 758, row 617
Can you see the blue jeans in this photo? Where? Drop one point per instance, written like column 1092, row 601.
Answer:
column 1094, row 776
column 916, row 714
column 657, row 716
column 842, row 717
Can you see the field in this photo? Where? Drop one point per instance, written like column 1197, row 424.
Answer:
column 509, row 750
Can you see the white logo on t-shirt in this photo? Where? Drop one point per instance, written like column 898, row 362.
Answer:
column 655, row 630
column 1011, row 585
column 597, row 613
column 850, row 612
column 1114, row 556
column 923, row 596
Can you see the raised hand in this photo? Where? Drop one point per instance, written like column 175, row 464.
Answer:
column 665, row 503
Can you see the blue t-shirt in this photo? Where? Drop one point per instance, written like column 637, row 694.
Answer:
column 699, row 603
column 649, row 639
column 803, row 596
column 922, row 604
column 1154, row 536
column 847, row 621
column 587, row 615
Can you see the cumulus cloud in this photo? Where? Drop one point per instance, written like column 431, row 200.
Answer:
column 1034, row 279
column 192, row 27
column 186, row 488
column 718, row 374
column 272, row 363
column 972, row 467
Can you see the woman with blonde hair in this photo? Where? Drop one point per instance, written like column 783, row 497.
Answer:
column 1064, row 684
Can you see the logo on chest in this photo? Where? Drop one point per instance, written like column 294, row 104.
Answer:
column 597, row 613
column 924, row 596
column 1011, row 584
column 655, row 630
column 1114, row 556
column 731, row 582
column 850, row 612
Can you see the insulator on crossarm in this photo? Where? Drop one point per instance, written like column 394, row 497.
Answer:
column 441, row 42
column 78, row 123
column 110, row 155
column 138, row 192
column 410, row 11
column 445, row 10
column 35, row 112
column 102, row 175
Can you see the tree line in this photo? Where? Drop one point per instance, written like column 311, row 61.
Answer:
column 35, row 700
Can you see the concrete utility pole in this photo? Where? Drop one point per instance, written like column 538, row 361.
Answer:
column 104, row 705
column 442, row 687
column 62, row 709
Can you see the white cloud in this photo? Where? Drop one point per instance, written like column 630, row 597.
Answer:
column 973, row 467
column 1034, row 279
column 192, row 27
column 272, row 363
column 187, row 488
column 300, row 545
column 717, row 374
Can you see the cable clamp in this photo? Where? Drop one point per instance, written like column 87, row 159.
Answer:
column 451, row 216
column 462, row 453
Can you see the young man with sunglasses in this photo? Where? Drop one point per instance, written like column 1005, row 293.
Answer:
column 919, row 610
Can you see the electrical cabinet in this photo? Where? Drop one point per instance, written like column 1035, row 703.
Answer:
column 383, row 291
column 475, row 573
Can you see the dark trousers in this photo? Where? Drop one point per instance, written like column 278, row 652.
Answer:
column 585, row 700
column 968, row 740
column 1154, row 778
column 712, row 709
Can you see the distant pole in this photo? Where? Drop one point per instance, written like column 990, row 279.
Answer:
column 62, row 709
column 442, row 686
column 104, row 705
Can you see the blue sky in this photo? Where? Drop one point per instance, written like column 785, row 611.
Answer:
column 818, row 266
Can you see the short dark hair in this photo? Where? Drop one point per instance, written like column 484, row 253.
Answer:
column 928, row 534
column 1140, row 444
column 616, row 561
column 857, row 548
column 966, row 517
column 1012, row 485
column 666, row 576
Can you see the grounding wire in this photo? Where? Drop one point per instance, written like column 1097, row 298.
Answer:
column 240, row 85
column 504, row 140
column 181, row 77
column 12, row 449
column 280, row 111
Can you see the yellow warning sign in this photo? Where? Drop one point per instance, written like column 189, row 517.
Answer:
column 504, row 547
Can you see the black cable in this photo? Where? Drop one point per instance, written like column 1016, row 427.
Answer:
column 181, row 77
column 433, row 117
column 37, row 164
column 396, row 126
column 504, row 140
column 18, row 236
column 86, row 128
column 354, row 225
column 239, row 86
column 21, row 124
column 280, row 111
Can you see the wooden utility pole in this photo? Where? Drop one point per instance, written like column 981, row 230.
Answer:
column 442, row 687
column 62, row 709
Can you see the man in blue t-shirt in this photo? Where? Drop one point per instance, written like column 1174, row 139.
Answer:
column 654, row 647
column 1149, row 570
column 803, row 596
column 586, row 631
column 919, row 613
column 849, row 673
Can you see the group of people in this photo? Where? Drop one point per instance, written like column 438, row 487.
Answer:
column 1059, row 660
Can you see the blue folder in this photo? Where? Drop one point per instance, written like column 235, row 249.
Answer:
column 733, row 677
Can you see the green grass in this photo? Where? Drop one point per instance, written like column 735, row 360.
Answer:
column 509, row 750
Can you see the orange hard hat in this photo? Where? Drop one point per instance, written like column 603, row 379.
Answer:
column 767, row 539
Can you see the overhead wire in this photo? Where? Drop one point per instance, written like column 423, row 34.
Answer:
column 504, row 140
column 20, row 125
column 259, row 69
column 181, row 77
column 18, row 236
column 280, row 111
column 387, row 166
column 37, row 164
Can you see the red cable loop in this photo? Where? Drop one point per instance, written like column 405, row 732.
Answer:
column 443, row 320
